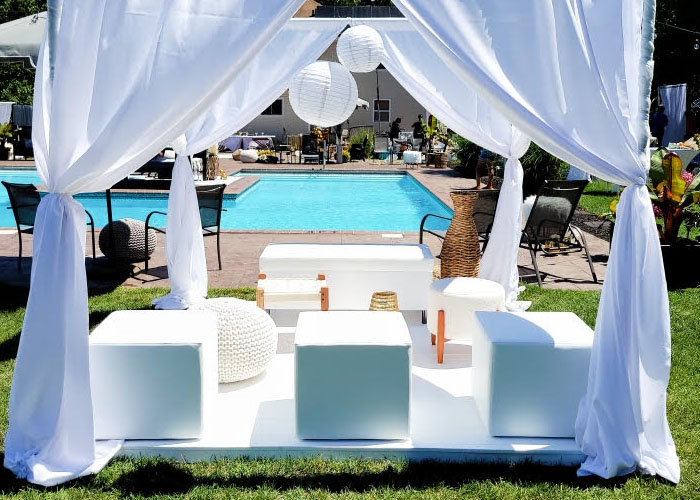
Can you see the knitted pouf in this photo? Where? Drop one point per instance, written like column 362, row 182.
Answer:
column 129, row 240
column 247, row 338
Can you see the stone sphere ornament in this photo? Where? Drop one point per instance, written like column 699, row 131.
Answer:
column 323, row 94
column 360, row 49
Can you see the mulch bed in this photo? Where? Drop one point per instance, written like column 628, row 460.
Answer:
column 592, row 224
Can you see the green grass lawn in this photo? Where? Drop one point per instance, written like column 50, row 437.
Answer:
column 376, row 479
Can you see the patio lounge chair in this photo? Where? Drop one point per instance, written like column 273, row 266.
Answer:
column 309, row 149
column 210, row 200
column 548, row 228
column 24, row 200
column 484, row 212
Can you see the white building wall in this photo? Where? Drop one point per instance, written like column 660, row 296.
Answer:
column 402, row 105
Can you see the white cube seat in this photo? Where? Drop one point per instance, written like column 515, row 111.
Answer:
column 354, row 272
column 452, row 303
column 353, row 375
column 152, row 373
column 412, row 157
column 530, row 372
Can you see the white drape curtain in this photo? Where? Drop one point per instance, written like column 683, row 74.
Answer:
column 253, row 88
column 673, row 97
column 575, row 76
column 138, row 83
column 431, row 81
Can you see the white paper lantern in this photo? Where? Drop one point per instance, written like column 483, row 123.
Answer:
column 360, row 49
column 323, row 94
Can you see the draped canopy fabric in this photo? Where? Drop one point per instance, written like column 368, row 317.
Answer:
column 137, row 85
column 251, row 91
column 431, row 81
column 575, row 76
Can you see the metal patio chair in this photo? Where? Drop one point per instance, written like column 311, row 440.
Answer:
column 24, row 200
column 484, row 213
column 548, row 228
column 210, row 200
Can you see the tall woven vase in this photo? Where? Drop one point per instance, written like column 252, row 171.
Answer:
column 460, row 251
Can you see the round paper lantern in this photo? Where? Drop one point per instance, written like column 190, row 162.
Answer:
column 360, row 49
column 323, row 94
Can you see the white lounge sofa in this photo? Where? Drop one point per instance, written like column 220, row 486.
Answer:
column 152, row 373
column 354, row 272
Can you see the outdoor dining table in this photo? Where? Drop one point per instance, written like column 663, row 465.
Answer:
column 243, row 141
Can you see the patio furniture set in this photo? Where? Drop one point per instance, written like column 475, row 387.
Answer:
column 155, row 372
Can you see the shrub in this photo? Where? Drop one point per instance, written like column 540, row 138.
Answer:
column 358, row 137
column 467, row 153
column 539, row 166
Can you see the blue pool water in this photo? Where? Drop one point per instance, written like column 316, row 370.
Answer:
column 299, row 201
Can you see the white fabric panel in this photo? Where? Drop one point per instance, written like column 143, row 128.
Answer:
column 578, row 84
column 102, row 115
column 673, row 98
column 416, row 66
column 5, row 111
column 253, row 89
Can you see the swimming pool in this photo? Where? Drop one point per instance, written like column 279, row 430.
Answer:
column 284, row 201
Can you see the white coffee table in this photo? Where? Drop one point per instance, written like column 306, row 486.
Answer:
column 353, row 375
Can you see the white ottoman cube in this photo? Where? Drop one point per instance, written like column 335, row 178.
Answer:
column 353, row 375
column 452, row 303
column 247, row 338
column 152, row 373
column 412, row 157
column 530, row 371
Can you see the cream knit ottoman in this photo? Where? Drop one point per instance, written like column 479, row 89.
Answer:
column 247, row 338
column 530, row 371
column 452, row 303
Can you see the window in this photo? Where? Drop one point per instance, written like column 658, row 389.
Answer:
column 382, row 110
column 273, row 109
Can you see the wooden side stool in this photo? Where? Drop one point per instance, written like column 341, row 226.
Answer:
column 306, row 294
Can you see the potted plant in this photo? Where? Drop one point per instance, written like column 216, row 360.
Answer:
column 675, row 195
column 6, row 133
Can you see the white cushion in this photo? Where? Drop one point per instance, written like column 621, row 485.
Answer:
column 321, row 257
column 460, row 298
column 411, row 157
column 151, row 373
column 353, row 375
column 530, row 372
column 248, row 156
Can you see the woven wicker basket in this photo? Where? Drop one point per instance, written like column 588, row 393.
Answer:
column 460, row 252
column 384, row 301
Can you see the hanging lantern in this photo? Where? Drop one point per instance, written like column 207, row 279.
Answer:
column 323, row 94
column 360, row 49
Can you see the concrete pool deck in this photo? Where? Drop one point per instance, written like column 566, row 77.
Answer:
column 240, row 250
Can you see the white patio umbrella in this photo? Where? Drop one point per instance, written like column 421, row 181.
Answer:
column 20, row 39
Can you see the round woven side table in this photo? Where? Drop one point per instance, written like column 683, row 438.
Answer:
column 460, row 252
column 384, row 301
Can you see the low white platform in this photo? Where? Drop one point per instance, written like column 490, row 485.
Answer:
column 255, row 418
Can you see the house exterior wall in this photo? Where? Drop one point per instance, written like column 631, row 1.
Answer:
column 403, row 105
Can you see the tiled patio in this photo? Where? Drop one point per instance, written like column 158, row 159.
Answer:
column 241, row 249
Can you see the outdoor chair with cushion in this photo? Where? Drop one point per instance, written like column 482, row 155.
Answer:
column 548, row 228
column 210, row 200
column 24, row 200
column 484, row 212
column 309, row 149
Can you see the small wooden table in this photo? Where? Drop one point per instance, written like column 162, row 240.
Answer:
column 292, row 293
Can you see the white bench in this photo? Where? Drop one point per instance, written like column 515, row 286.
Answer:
column 353, row 375
column 354, row 272
column 530, row 371
column 152, row 373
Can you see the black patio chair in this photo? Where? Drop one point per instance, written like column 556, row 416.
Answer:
column 210, row 200
column 24, row 200
column 548, row 228
column 309, row 149
column 484, row 213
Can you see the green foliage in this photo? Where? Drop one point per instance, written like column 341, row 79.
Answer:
column 467, row 153
column 346, row 156
column 14, row 9
column 539, row 166
column 358, row 137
